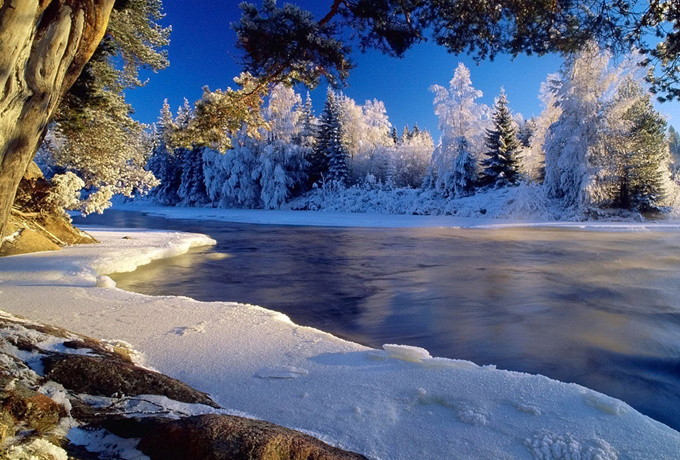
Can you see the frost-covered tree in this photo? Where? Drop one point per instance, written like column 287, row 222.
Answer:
column 163, row 161
column 263, row 171
column 526, row 131
column 374, row 155
column 329, row 159
column 534, row 155
column 502, row 162
column 411, row 158
column 674, row 143
column 579, row 163
column 462, row 122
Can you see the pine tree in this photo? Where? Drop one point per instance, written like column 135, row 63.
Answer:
column 526, row 132
column 395, row 136
column 163, row 162
column 674, row 143
column 502, row 162
column 329, row 156
column 644, row 185
column 464, row 172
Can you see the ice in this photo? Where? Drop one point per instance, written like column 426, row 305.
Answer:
column 106, row 444
column 605, row 403
column 105, row 282
column 407, row 353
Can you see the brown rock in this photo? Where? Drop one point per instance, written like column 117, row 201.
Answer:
column 110, row 377
column 33, row 225
column 224, row 437
column 34, row 409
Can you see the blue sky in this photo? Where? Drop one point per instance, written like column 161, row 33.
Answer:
column 202, row 53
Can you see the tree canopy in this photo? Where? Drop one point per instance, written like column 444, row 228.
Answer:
column 287, row 45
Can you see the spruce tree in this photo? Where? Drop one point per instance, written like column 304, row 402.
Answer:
column 503, row 155
column 644, row 183
column 329, row 156
column 163, row 161
column 464, row 172
column 674, row 143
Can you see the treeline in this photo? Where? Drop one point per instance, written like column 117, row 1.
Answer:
column 347, row 145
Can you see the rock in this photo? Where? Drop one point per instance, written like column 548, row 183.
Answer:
column 34, row 409
column 32, row 225
column 222, row 437
column 110, row 377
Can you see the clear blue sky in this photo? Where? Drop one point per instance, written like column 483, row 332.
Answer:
column 202, row 53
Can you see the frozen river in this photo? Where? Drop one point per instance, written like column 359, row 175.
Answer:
column 601, row 309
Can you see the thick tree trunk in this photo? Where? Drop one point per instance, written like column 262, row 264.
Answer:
column 44, row 45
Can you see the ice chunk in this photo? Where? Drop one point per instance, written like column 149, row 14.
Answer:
column 281, row 372
column 449, row 363
column 106, row 282
column 605, row 403
column 406, row 353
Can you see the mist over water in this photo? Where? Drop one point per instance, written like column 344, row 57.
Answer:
column 601, row 309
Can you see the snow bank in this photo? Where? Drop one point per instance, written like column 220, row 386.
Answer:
column 375, row 220
column 396, row 403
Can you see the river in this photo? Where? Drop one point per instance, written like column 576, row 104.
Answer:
column 601, row 309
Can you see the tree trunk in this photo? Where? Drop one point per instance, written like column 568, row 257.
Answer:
column 44, row 45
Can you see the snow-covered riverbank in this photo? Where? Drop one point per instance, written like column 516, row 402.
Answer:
column 347, row 219
column 393, row 404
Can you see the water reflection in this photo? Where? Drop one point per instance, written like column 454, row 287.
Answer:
column 599, row 309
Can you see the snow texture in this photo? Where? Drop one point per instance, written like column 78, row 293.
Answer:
column 377, row 402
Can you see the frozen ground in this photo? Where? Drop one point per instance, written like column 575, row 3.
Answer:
column 350, row 219
column 396, row 403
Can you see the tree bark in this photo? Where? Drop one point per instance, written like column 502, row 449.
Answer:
column 44, row 45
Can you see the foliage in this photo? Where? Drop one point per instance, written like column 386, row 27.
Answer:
column 93, row 133
column 502, row 163
column 462, row 122
column 286, row 44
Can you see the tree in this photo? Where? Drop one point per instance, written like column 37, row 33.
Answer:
column 502, row 162
column 534, row 156
column 163, row 162
column 287, row 44
column 44, row 47
column 645, row 182
column 579, row 157
column 462, row 122
column 328, row 140
column 674, row 143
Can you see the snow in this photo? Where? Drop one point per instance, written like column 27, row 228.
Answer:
column 396, row 403
column 351, row 219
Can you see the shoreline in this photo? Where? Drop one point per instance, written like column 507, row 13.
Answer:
column 371, row 220
column 397, row 403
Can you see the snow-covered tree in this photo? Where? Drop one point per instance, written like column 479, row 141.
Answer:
column 163, row 162
column 411, row 158
column 329, row 160
column 502, row 162
column 534, row 155
column 674, row 143
column 579, row 163
column 462, row 122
